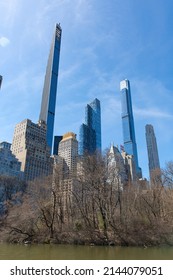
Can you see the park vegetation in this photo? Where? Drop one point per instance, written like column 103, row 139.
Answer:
column 89, row 208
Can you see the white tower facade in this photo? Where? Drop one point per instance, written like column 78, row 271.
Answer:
column 68, row 150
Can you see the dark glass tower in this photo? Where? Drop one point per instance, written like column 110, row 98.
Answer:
column 0, row 81
column 47, row 112
column 128, row 124
column 90, row 132
column 153, row 157
column 57, row 140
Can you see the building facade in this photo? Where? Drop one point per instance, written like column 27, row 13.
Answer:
column 57, row 140
column 90, row 132
column 116, row 168
column 68, row 151
column 128, row 124
column 47, row 113
column 30, row 147
column 87, row 140
column 130, row 168
column 153, row 156
column 9, row 164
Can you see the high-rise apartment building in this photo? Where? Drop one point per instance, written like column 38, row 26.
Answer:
column 128, row 124
column 9, row 164
column 68, row 151
column 30, row 147
column 0, row 81
column 47, row 113
column 87, row 140
column 116, row 168
column 90, row 132
column 153, row 157
column 130, row 168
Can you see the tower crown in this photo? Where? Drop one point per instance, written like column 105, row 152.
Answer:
column 124, row 84
column 69, row 135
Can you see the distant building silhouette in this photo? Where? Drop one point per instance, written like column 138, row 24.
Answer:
column 0, row 81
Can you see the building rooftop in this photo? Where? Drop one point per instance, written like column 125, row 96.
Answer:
column 69, row 135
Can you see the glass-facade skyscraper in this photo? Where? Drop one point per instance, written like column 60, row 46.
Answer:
column 128, row 124
column 153, row 157
column 47, row 112
column 90, row 132
column 0, row 81
column 57, row 140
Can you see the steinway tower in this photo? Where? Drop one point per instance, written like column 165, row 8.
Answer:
column 47, row 113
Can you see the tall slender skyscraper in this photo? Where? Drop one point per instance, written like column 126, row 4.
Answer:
column 90, row 132
column 128, row 124
column 0, row 81
column 47, row 112
column 153, row 157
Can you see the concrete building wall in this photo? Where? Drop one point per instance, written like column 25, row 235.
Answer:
column 30, row 147
column 9, row 164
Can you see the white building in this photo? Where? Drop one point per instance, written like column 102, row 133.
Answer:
column 121, row 167
column 30, row 147
column 116, row 168
column 9, row 164
column 129, row 167
column 68, row 151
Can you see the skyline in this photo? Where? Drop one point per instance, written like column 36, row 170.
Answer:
column 102, row 44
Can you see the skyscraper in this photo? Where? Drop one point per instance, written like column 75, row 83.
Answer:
column 47, row 113
column 31, row 149
column 0, row 81
column 128, row 124
column 116, row 168
column 9, row 164
column 90, row 132
column 153, row 157
column 57, row 140
column 68, row 151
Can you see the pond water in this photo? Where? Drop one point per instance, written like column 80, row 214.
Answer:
column 75, row 252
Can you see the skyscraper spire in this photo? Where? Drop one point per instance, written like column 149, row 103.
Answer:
column 128, row 124
column 47, row 112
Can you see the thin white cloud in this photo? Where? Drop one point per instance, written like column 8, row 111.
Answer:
column 9, row 10
column 67, row 73
column 152, row 113
column 4, row 41
column 82, row 9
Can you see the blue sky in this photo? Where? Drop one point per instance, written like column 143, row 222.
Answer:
column 103, row 42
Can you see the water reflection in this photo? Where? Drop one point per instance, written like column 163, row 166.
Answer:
column 72, row 252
